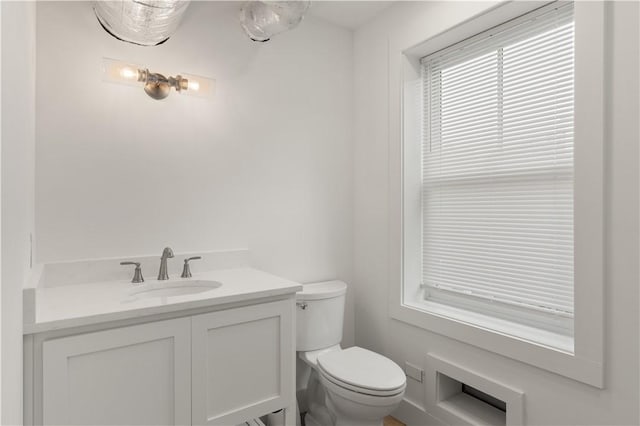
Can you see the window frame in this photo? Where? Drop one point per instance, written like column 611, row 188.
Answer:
column 583, row 362
column 559, row 328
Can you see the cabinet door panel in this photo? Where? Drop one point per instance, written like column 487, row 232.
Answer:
column 137, row 375
column 241, row 363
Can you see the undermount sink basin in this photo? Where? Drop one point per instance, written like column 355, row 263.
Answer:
column 172, row 288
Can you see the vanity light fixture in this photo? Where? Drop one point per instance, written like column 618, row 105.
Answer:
column 156, row 85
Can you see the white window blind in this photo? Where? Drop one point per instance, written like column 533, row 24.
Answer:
column 497, row 179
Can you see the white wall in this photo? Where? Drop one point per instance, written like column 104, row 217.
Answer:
column 266, row 165
column 549, row 398
column 18, row 141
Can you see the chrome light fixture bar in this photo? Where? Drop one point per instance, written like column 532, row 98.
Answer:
column 155, row 85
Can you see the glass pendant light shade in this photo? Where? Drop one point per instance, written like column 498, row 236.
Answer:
column 261, row 20
column 143, row 22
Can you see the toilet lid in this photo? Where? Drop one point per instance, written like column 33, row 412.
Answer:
column 322, row 290
column 363, row 369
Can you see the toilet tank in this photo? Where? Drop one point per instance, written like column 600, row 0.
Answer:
column 320, row 315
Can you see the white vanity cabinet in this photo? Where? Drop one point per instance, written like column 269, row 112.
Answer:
column 242, row 363
column 129, row 375
column 219, row 367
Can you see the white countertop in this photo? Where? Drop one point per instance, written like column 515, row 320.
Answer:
column 84, row 304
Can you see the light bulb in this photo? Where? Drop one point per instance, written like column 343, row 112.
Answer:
column 199, row 86
column 129, row 73
column 115, row 71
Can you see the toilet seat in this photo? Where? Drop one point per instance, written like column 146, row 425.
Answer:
column 361, row 398
column 346, row 387
column 362, row 371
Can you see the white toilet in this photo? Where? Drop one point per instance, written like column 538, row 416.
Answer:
column 351, row 386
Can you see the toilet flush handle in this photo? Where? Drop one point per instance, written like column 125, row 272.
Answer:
column 301, row 305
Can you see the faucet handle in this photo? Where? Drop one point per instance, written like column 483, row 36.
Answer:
column 186, row 270
column 137, row 274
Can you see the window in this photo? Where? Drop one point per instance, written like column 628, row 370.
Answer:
column 496, row 143
column 497, row 172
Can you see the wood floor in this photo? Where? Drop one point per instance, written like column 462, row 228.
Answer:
column 392, row 421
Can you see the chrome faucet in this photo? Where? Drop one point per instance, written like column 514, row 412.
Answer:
column 137, row 275
column 167, row 253
column 186, row 270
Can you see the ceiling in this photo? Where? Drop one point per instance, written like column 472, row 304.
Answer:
column 347, row 14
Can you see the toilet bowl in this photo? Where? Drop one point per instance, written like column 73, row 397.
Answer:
column 353, row 386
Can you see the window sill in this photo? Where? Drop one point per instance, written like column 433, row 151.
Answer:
column 543, row 349
column 509, row 329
